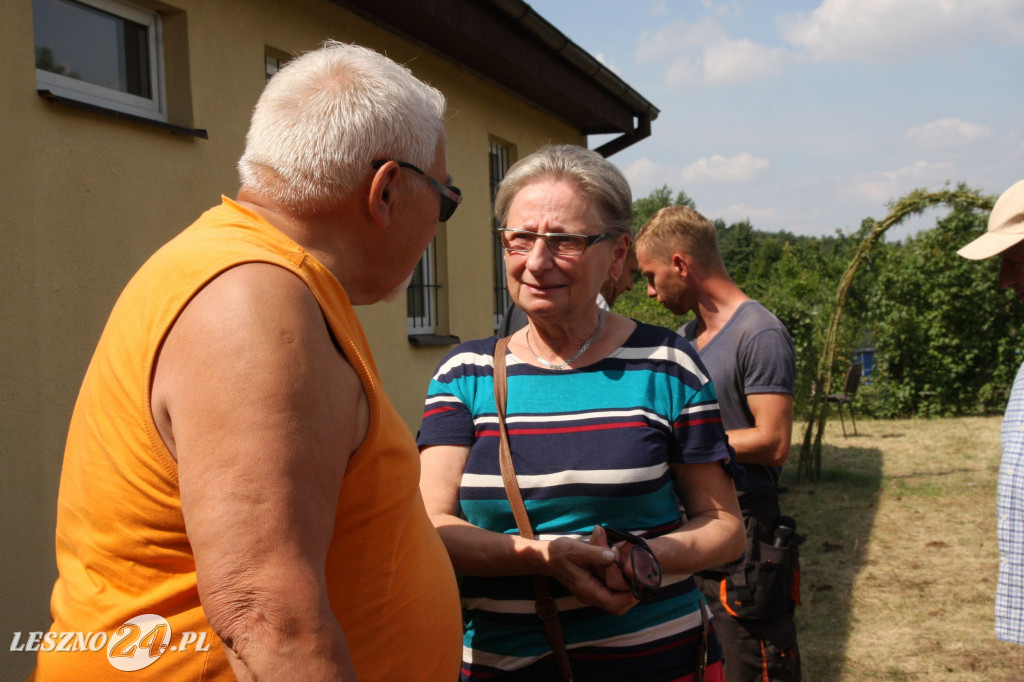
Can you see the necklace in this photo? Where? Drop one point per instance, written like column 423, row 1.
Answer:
column 579, row 353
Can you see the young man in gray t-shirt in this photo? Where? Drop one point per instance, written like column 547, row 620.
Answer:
column 750, row 357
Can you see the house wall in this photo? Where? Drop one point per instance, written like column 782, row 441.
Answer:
column 88, row 197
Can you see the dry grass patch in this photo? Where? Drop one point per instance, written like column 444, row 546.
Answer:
column 899, row 567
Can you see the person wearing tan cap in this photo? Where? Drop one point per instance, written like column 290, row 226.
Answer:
column 1005, row 236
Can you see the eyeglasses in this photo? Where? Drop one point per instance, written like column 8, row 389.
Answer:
column 645, row 578
column 451, row 196
column 563, row 244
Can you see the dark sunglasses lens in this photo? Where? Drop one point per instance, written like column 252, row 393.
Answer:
column 448, row 206
column 646, row 571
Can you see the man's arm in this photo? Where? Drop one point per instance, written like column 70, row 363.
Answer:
column 768, row 441
column 261, row 412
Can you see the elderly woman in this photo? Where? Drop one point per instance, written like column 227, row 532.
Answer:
column 612, row 424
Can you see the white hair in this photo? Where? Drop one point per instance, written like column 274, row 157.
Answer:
column 597, row 179
column 326, row 115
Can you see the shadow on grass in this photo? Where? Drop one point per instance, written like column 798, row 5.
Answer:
column 837, row 514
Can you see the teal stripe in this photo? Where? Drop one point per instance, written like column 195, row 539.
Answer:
column 477, row 393
column 577, row 392
column 581, row 513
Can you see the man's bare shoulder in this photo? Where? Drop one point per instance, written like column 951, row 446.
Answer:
column 254, row 336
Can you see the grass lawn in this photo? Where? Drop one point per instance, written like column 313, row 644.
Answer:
column 899, row 567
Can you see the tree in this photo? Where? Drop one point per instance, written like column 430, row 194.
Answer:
column 645, row 208
column 946, row 335
column 961, row 199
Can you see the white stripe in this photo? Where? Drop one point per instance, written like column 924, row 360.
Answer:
column 705, row 407
column 668, row 353
column 570, row 476
column 465, row 358
column 446, row 398
column 498, row 661
column 651, row 634
column 590, row 415
column 527, row 606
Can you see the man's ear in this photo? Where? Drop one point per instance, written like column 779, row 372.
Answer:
column 382, row 192
column 681, row 264
column 619, row 257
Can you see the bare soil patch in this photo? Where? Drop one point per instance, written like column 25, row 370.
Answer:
column 899, row 567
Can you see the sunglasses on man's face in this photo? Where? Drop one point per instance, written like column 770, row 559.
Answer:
column 644, row 576
column 451, row 196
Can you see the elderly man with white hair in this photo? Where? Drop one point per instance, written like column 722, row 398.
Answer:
column 238, row 497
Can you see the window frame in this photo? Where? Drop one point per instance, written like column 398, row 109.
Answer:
column 426, row 293
column 501, row 156
column 154, row 107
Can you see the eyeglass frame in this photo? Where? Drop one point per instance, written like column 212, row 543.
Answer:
column 640, row 591
column 451, row 196
column 590, row 240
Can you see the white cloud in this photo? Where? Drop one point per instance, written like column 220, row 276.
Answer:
column 599, row 56
column 881, row 187
column 741, row 61
column 880, row 30
column 757, row 215
column 658, row 10
column 677, row 38
column 947, row 132
column 733, row 62
column 718, row 169
column 644, row 175
column 702, row 54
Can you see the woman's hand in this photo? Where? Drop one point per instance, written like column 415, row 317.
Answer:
column 613, row 575
column 583, row 567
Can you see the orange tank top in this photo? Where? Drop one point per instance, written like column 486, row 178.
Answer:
column 122, row 550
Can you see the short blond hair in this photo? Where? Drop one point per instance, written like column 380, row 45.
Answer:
column 680, row 228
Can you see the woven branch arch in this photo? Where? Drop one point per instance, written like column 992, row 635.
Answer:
column 809, row 461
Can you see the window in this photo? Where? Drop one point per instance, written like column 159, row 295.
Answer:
column 273, row 65
column 273, row 61
column 421, row 296
column 101, row 52
column 500, row 160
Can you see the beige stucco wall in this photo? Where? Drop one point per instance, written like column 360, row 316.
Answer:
column 88, row 197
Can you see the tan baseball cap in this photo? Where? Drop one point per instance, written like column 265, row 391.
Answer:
column 1005, row 226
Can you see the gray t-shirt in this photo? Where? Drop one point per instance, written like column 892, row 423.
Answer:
column 751, row 354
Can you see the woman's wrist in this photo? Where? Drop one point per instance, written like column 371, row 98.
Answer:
column 534, row 555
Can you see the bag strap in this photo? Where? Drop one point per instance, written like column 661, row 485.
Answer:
column 547, row 610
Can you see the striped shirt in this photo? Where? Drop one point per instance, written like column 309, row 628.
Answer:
column 591, row 446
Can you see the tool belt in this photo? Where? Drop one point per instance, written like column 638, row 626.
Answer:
column 765, row 581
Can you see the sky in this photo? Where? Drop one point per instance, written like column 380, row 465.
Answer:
column 809, row 116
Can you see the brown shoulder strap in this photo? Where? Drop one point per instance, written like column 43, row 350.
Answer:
column 546, row 608
column 508, row 473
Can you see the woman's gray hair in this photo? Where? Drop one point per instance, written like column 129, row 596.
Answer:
column 326, row 115
column 597, row 179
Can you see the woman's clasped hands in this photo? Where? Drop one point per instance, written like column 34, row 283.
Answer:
column 592, row 571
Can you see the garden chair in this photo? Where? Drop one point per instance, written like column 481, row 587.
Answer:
column 846, row 397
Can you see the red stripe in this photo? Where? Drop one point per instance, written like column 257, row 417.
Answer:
column 566, row 429
column 697, row 422
column 430, row 413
